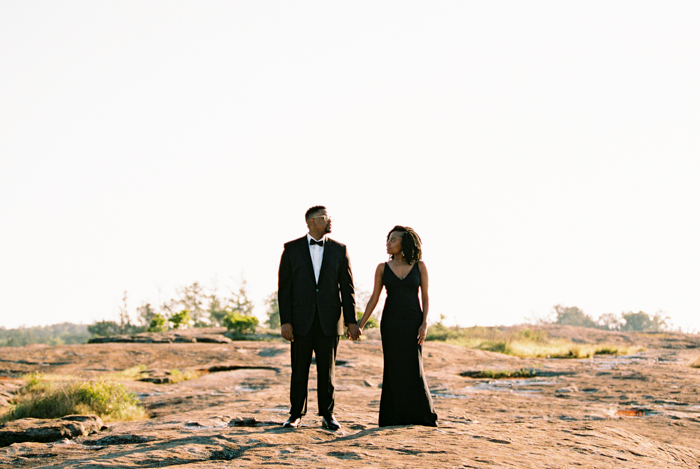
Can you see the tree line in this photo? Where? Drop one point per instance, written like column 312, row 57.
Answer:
column 198, row 306
column 194, row 306
column 625, row 321
column 56, row 334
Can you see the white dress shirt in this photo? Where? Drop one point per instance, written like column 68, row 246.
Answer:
column 316, row 254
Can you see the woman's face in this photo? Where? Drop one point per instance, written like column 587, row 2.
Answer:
column 393, row 244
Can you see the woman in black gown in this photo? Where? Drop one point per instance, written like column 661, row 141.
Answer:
column 405, row 396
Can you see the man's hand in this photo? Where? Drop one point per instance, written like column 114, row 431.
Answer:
column 287, row 332
column 354, row 332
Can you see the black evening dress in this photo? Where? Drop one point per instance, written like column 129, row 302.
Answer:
column 405, row 395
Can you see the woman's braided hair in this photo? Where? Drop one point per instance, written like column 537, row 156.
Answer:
column 410, row 243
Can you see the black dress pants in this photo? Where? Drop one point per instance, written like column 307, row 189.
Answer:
column 325, row 349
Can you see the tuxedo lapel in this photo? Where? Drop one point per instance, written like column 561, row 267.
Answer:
column 328, row 252
column 306, row 255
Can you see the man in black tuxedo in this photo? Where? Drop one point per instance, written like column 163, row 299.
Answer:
column 315, row 284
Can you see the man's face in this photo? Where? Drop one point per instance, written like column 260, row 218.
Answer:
column 322, row 221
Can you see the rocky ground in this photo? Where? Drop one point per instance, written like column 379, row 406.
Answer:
column 640, row 411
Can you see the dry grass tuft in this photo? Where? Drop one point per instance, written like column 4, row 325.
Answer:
column 135, row 372
column 53, row 398
column 501, row 374
column 176, row 375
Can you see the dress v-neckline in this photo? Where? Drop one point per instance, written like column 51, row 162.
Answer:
column 407, row 273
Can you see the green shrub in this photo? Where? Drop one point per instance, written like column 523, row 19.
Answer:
column 35, row 382
column 104, row 328
column 240, row 323
column 44, row 399
column 441, row 332
column 181, row 320
column 157, row 324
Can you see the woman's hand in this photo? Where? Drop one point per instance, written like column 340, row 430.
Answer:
column 354, row 332
column 422, row 331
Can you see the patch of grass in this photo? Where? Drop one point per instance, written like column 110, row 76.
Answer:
column 35, row 382
column 501, row 374
column 611, row 350
column 135, row 372
column 42, row 398
column 140, row 371
column 525, row 342
column 560, row 348
column 176, row 375
column 259, row 337
column 37, row 378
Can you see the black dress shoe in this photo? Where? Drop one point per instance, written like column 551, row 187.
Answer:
column 330, row 423
column 292, row 422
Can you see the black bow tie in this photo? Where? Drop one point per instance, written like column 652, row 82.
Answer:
column 320, row 243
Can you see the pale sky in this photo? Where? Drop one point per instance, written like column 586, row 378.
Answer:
column 546, row 152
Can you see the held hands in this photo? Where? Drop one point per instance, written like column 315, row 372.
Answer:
column 422, row 331
column 354, row 332
column 287, row 332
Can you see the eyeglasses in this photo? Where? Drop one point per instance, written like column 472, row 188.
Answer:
column 326, row 218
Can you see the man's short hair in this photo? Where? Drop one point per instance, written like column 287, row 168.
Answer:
column 313, row 211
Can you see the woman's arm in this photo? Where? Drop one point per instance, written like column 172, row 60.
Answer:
column 423, row 330
column 374, row 299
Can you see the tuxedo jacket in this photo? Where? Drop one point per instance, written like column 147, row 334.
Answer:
column 300, row 296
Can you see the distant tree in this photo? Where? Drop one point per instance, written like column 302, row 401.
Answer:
column 168, row 308
column 609, row 321
column 124, row 321
column 204, row 308
column 158, row 323
column 104, row 328
column 239, row 302
column 572, row 316
column 641, row 321
column 216, row 310
column 273, row 311
column 192, row 299
column 146, row 313
column 181, row 320
column 361, row 299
